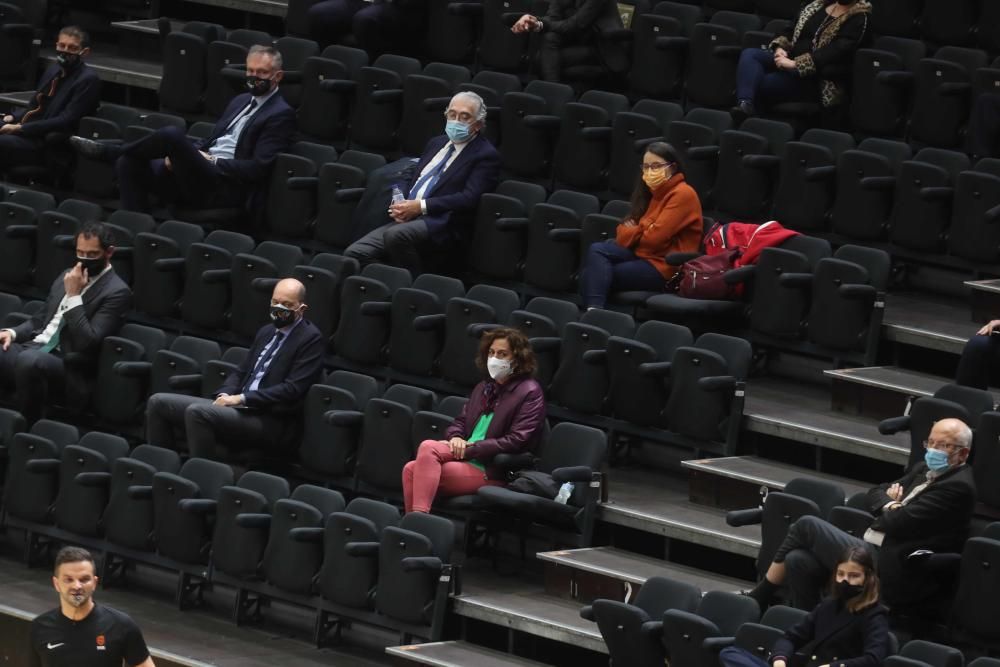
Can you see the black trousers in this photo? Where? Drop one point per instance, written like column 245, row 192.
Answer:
column 558, row 52
column 18, row 151
column 35, row 377
column 399, row 244
column 980, row 362
column 378, row 28
column 211, row 431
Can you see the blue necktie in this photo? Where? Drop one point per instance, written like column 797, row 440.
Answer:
column 433, row 175
column 264, row 358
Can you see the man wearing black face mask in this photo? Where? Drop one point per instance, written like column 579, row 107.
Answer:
column 67, row 91
column 258, row 405
column 86, row 304
column 223, row 170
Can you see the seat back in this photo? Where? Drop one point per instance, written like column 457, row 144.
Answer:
column 291, row 564
column 570, row 445
column 119, row 398
column 929, row 653
column 129, row 522
column 407, row 595
column 385, row 444
column 78, row 508
column 237, row 550
column 412, row 350
column 156, row 292
column 180, row 535
column 360, row 338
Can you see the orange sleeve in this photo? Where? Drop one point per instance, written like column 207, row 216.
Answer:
column 627, row 236
column 681, row 210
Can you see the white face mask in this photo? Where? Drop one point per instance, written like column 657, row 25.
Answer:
column 498, row 368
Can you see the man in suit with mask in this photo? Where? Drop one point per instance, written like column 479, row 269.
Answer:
column 259, row 404
column 442, row 193
column 572, row 35
column 220, row 171
column 67, row 91
column 57, row 349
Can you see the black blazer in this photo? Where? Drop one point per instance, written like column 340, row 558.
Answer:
column 77, row 96
column 569, row 17
column 297, row 366
column 832, row 635
column 937, row 519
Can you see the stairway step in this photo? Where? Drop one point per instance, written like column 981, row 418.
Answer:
column 149, row 27
column 18, row 98
column 933, row 323
column 116, row 69
column 457, row 654
column 266, row 7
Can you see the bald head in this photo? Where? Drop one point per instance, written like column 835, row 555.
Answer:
column 289, row 289
column 954, row 436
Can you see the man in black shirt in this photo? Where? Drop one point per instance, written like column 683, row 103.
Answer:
column 80, row 633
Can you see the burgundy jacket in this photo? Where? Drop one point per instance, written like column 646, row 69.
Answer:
column 518, row 419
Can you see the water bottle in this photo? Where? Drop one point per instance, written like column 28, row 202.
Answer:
column 397, row 195
column 565, row 491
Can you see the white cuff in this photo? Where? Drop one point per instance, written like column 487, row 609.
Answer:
column 243, row 399
column 423, row 206
column 13, row 334
column 74, row 301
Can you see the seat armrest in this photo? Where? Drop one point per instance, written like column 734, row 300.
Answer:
column 302, row 183
column 937, row 194
column 716, row 644
column 198, row 505
column 740, row 275
column 727, row 51
column 717, row 383
column 671, row 43
column 465, row 8
column 387, row 96
column 587, row 613
column 169, row 264
column 857, row 291
column 510, row 224
column 189, row 381
column 376, row 308
column 93, row 479
column 514, row 461
column 761, row 161
column 265, row 285
column 795, row 280
column 311, row 535
column 41, row 466
column 361, row 549
column 655, row 368
column 132, row 369
column 215, row 276
column 878, row 183
column 703, row 152
column 575, row 474
column 746, row 517
column 343, row 417
column 140, row 492
column 433, row 322
column 813, row 174
column 421, row 564
column 545, row 344
column 347, row 195
column 566, row 235
column 338, row 86
column 897, row 79
column 894, row 425
column 599, row 132
column 253, row 520
column 542, row 122
column 595, row 357
column 477, row 330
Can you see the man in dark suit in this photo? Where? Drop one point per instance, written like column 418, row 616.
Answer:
column 259, row 404
column 57, row 349
column 574, row 32
column 67, row 91
column 929, row 508
column 441, row 195
column 224, row 169
column 378, row 27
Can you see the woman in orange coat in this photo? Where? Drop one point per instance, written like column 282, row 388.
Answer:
column 665, row 218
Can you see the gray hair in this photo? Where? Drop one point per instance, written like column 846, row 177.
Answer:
column 472, row 97
column 964, row 436
column 269, row 51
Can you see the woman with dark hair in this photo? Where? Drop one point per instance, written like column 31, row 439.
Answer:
column 810, row 62
column 850, row 628
column 504, row 414
column 665, row 218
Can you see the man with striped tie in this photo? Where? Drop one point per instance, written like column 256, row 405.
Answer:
column 67, row 91
column 441, row 196
column 259, row 404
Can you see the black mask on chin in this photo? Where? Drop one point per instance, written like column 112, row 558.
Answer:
column 258, row 86
column 67, row 60
column 92, row 266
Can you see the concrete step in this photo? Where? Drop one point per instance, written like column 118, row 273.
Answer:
column 116, row 69
column 924, row 321
column 606, row 572
column 266, row 7
column 985, row 299
column 456, row 654
column 733, row 482
column 800, row 412
column 17, row 98
column 150, row 27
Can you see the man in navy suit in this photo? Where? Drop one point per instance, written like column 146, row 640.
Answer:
column 259, row 404
column 441, row 196
column 224, row 169
column 67, row 91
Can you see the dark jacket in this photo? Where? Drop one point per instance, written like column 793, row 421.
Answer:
column 578, row 17
column 77, row 96
column 268, row 133
column 936, row 519
column 518, row 419
column 832, row 635
column 297, row 366
column 452, row 202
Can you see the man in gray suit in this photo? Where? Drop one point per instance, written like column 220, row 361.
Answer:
column 54, row 352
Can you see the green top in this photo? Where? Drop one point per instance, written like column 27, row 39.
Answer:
column 478, row 433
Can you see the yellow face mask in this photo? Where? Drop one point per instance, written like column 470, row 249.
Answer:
column 655, row 178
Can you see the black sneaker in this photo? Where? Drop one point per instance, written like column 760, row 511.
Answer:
column 94, row 150
column 744, row 109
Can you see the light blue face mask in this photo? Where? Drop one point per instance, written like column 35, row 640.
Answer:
column 936, row 459
column 457, row 131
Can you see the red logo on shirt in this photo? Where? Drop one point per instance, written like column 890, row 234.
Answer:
column 100, row 642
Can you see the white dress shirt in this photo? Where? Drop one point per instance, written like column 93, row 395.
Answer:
column 419, row 195
column 67, row 302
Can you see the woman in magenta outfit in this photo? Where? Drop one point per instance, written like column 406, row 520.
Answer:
column 505, row 414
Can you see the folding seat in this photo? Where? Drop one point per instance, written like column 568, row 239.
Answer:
column 973, row 234
column 249, row 302
column 951, row 400
column 290, row 212
column 924, row 192
column 423, row 119
column 686, row 635
column 28, row 493
column 778, row 9
column 77, row 507
column 324, row 109
column 631, row 630
column 696, row 139
column 54, row 241
column 942, row 96
column 759, row 638
column 583, row 151
column 359, row 341
column 865, row 184
column 182, row 86
column 156, row 288
column 450, row 37
column 18, row 217
column 660, row 42
column 985, row 459
column 18, row 53
column 804, row 194
column 295, row 53
column 900, row 18
column 946, row 22
column 715, row 48
column 572, row 453
column 378, row 89
column 497, row 252
column 237, row 543
column 498, row 48
column 920, row 653
column 176, row 369
column 631, row 132
column 529, row 121
column 551, row 265
column 882, row 83
column 223, row 58
column 328, row 450
column 126, row 225
column 748, row 168
column 206, row 304
column 118, row 396
column 323, row 278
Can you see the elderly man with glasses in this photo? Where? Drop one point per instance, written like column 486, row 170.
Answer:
column 928, row 509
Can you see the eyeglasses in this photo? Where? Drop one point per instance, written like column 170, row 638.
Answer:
column 943, row 446
column 463, row 116
column 656, row 166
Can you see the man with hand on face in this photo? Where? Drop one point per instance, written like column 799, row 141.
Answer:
column 259, row 403
column 454, row 172
column 67, row 91
column 85, row 305
column 80, row 632
column 223, row 170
